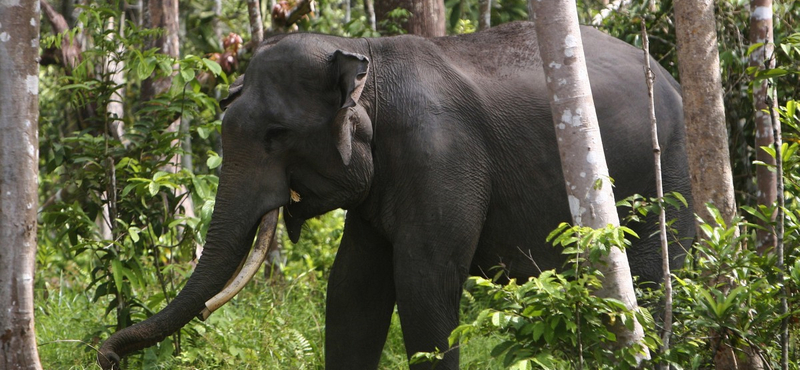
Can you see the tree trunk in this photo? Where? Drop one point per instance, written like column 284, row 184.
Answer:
column 580, row 146
column 115, row 110
column 19, row 161
column 666, row 332
column 427, row 16
column 256, row 22
column 162, row 14
column 704, row 111
column 707, row 137
column 70, row 53
column 369, row 9
column 763, row 58
column 485, row 17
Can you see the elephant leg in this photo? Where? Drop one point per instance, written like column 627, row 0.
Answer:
column 429, row 275
column 429, row 308
column 360, row 299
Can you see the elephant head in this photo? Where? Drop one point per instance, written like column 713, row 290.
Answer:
column 295, row 135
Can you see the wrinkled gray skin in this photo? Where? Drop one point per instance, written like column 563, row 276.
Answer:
column 448, row 168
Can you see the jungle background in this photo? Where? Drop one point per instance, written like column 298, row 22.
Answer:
column 129, row 153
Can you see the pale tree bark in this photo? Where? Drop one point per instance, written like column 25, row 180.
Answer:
column 164, row 15
column 19, row 161
column 485, row 14
column 256, row 22
column 114, row 72
column 369, row 8
column 763, row 58
column 581, row 149
column 217, row 9
column 427, row 16
column 707, row 137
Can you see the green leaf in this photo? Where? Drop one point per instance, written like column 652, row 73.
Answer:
column 165, row 350
column 770, row 73
column 134, row 233
column 212, row 66
column 213, row 162
column 521, row 365
column 187, row 74
column 153, row 188
column 128, row 189
column 144, row 68
column 501, row 348
column 116, row 271
column 538, row 330
column 754, row 47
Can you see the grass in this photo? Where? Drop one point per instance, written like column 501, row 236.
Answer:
column 271, row 324
column 267, row 326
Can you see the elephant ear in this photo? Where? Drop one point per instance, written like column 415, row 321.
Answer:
column 234, row 90
column 346, row 122
column 352, row 76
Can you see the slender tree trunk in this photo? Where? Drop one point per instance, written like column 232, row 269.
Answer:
column 580, row 146
column 19, row 161
column 427, row 16
column 485, row 17
column 369, row 9
column 256, row 22
column 115, row 109
column 779, row 246
column 763, row 58
column 347, row 10
column 217, row 9
column 662, row 214
column 707, row 137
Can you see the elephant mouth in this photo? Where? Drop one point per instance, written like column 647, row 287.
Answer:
column 292, row 215
column 248, row 267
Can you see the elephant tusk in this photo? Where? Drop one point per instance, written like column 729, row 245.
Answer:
column 249, row 266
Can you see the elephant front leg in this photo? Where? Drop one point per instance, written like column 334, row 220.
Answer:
column 360, row 299
column 428, row 301
column 430, row 267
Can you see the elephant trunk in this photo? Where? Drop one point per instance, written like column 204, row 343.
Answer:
column 214, row 271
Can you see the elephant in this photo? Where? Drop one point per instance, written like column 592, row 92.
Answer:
column 443, row 153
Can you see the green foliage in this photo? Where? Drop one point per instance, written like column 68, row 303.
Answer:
column 97, row 271
column 465, row 26
column 392, row 23
column 730, row 289
column 554, row 321
column 463, row 12
column 115, row 207
column 315, row 251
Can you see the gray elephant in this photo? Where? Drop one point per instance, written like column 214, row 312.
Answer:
column 443, row 153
